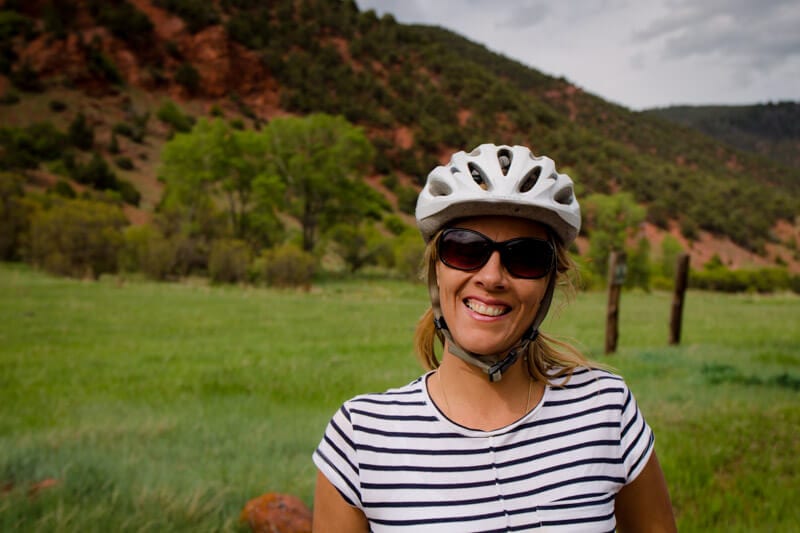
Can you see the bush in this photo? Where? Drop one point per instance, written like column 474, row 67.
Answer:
column 13, row 216
column 228, row 261
column 124, row 20
column 124, row 162
column 96, row 173
column 147, row 251
column 64, row 189
column 395, row 224
column 286, row 266
column 80, row 134
column 77, row 238
column 169, row 113
column 719, row 278
column 408, row 250
column 129, row 193
column 57, row 106
column 188, row 77
column 197, row 14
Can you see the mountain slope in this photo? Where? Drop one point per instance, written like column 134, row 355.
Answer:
column 420, row 93
column 772, row 130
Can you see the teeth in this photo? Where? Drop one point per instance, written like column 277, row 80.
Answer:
column 483, row 309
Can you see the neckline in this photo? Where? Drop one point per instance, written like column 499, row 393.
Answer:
column 472, row 432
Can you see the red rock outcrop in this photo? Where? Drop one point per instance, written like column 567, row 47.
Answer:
column 277, row 513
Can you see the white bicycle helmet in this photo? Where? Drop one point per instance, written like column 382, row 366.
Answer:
column 503, row 181
column 499, row 180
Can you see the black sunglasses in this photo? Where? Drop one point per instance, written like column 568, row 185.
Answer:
column 524, row 257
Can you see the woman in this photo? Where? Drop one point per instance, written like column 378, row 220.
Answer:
column 512, row 430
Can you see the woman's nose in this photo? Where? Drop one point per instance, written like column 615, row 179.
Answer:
column 493, row 273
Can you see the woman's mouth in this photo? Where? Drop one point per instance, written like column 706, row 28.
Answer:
column 485, row 309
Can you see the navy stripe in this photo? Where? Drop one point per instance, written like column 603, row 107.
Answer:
column 474, row 501
column 408, row 418
column 342, row 434
column 491, row 482
column 405, row 434
column 341, row 454
column 570, row 521
column 635, row 465
column 610, row 390
column 389, row 402
column 424, row 521
column 341, row 475
column 587, row 503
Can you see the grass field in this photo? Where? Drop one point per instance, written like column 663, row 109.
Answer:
column 165, row 407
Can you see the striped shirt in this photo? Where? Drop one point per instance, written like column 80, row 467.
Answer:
column 402, row 462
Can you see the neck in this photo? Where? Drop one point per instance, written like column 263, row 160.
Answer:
column 464, row 394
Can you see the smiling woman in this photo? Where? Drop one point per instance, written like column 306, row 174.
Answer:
column 511, row 430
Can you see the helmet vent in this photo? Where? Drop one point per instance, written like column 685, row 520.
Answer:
column 504, row 158
column 530, row 179
column 439, row 188
column 478, row 176
column 565, row 196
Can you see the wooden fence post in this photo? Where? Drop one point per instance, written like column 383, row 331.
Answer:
column 681, row 281
column 616, row 277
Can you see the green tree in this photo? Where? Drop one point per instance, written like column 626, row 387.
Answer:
column 216, row 162
column 611, row 219
column 319, row 158
column 639, row 265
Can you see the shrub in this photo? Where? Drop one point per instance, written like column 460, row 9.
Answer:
column 13, row 216
column 719, row 278
column 129, row 193
column 395, row 224
column 124, row 162
column 197, row 14
column 57, row 106
column 78, row 238
column 64, row 189
column 135, row 131
column 96, row 173
column 228, row 261
column 286, row 266
column 408, row 250
column 147, row 251
column 169, row 113
column 188, row 77
column 406, row 199
column 124, row 20
column 80, row 134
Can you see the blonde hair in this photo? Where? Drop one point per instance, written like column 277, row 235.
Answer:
column 547, row 358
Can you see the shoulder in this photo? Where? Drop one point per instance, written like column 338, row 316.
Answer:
column 408, row 398
column 589, row 388
column 588, row 378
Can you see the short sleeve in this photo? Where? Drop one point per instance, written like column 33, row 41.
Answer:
column 335, row 457
column 636, row 440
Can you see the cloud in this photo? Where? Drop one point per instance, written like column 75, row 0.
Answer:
column 741, row 33
column 526, row 15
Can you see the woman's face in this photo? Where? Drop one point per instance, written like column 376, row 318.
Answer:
column 488, row 310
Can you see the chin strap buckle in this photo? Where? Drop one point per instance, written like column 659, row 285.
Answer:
column 496, row 370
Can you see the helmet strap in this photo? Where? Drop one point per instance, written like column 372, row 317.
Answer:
column 493, row 366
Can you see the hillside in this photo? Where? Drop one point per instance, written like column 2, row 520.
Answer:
column 772, row 129
column 419, row 93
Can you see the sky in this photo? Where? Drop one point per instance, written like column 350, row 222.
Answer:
column 636, row 53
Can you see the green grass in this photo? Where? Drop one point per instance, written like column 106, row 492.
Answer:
column 165, row 407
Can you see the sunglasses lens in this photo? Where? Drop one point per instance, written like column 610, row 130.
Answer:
column 464, row 250
column 528, row 258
